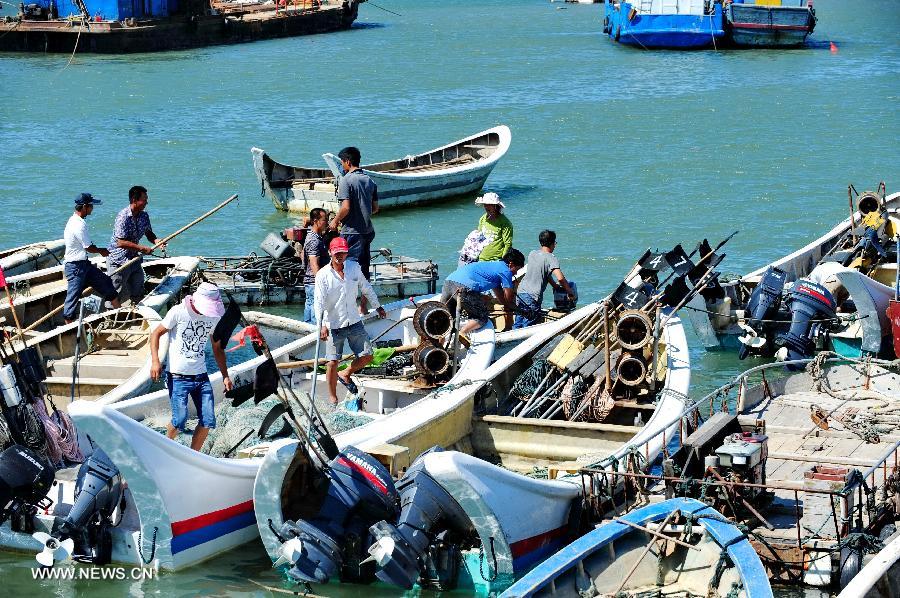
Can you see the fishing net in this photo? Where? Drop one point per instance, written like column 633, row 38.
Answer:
column 526, row 384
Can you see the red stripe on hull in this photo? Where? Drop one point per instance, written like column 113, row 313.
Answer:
column 189, row 525
column 529, row 544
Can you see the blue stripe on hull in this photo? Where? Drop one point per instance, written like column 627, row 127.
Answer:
column 211, row 532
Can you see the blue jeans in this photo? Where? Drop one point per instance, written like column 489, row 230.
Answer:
column 200, row 390
column 310, row 292
column 360, row 250
column 528, row 311
column 79, row 276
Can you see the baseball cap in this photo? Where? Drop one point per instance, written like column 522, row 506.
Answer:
column 338, row 245
column 86, row 199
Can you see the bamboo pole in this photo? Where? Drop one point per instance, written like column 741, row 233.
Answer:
column 656, row 533
column 158, row 243
column 644, row 553
column 289, row 365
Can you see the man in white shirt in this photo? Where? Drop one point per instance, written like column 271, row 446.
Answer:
column 337, row 286
column 190, row 323
column 81, row 273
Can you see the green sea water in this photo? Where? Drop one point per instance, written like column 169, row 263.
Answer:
column 615, row 149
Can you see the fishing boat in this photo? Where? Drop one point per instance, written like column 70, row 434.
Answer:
column 880, row 578
column 34, row 256
column 36, row 294
column 682, row 24
column 805, row 460
column 113, row 28
column 831, row 294
column 187, row 522
column 769, row 23
column 469, row 518
column 638, row 553
column 459, row 168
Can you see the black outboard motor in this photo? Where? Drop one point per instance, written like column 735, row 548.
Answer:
column 427, row 510
column 360, row 492
column 809, row 301
column 98, row 491
column 763, row 305
column 25, row 478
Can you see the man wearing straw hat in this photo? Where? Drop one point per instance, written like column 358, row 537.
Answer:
column 337, row 286
column 80, row 272
column 189, row 325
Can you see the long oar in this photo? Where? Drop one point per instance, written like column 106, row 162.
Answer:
column 158, row 243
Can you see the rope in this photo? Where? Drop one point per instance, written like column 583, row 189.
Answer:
column 62, row 437
column 26, row 421
column 140, row 546
column 481, row 562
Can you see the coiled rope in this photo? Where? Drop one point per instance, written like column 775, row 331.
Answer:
column 62, row 437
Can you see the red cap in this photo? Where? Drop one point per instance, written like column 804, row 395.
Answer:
column 339, row 245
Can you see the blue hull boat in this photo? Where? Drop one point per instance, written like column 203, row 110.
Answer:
column 764, row 23
column 685, row 24
column 618, row 558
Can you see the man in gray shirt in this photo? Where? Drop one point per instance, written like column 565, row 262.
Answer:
column 542, row 268
column 358, row 196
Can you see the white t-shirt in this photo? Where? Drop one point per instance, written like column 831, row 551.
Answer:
column 77, row 239
column 188, row 336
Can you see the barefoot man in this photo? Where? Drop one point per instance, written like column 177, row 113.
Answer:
column 338, row 284
column 189, row 325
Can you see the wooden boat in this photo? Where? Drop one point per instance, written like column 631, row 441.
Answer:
column 861, row 326
column 781, row 23
column 682, row 24
column 188, row 522
column 880, row 578
column 113, row 361
column 806, row 461
column 34, row 256
column 518, row 520
column 459, row 168
column 619, row 557
column 35, row 294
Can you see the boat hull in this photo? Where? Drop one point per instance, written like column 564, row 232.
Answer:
column 28, row 258
column 681, row 31
column 769, row 26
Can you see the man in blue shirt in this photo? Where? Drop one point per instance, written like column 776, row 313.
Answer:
column 132, row 224
column 471, row 281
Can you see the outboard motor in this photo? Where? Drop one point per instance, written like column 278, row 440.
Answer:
column 763, row 305
column 25, row 478
column 360, row 492
column 98, row 491
column 809, row 301
column 402, row 551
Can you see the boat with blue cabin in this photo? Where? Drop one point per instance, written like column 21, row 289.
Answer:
column 677, row 547
column 769, row 23
column 685, row 24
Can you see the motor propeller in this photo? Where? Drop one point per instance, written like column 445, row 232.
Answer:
column 55, row 551
column 289, row 552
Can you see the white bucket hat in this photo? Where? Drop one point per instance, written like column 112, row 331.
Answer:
column 489, row 199
column 207, row 301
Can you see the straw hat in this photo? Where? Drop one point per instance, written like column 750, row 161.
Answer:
column 489, row 199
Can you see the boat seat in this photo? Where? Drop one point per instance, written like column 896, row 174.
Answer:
column 94, row 365
column 82, row 381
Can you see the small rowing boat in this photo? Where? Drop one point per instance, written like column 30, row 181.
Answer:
column 35, row 294
column 677, row 547
column 34, row 256
column 459, row 168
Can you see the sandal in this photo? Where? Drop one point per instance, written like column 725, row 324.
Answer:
column 350, row 385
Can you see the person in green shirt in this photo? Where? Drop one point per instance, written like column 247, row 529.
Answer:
column 495, row 226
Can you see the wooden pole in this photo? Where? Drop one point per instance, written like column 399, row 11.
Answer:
column 12, row 307
column 644, row 553
column 289, row 365
column 850, row 191
column 656, row 533
column 158, row 243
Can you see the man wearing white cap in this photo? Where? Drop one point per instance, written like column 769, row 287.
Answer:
column 190, row 323
column 496, row 227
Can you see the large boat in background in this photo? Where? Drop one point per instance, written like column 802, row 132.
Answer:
column 770, row 23
column 685, row 24
column 459, row 168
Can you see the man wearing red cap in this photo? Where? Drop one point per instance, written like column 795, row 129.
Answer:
column 337, row 286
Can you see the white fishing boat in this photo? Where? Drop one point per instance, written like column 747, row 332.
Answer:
column 189, row 523
column 37, row 293
column 753, row 313
column 34, row 256
column 459, row 168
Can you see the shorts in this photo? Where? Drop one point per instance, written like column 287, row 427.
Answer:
column 355, row 335
column 79, row 276
column 473, row 305
column 129, row 282
column 200, row 390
